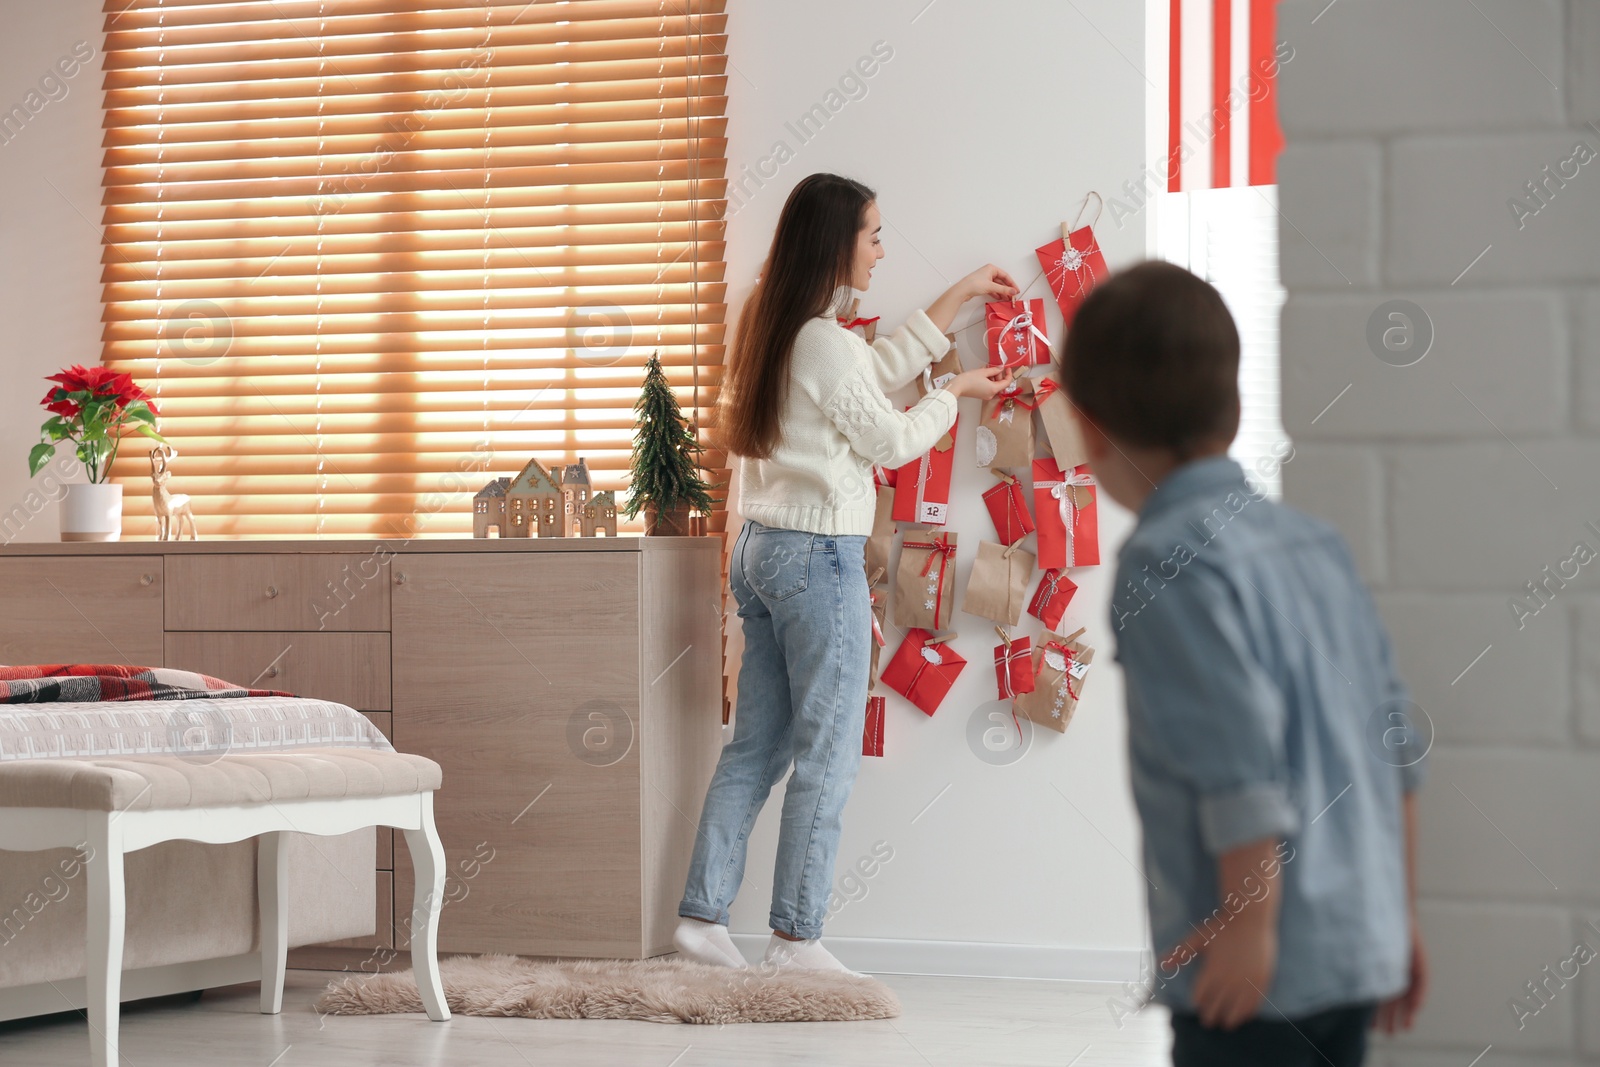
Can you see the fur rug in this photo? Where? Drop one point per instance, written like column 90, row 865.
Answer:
column 658, row 991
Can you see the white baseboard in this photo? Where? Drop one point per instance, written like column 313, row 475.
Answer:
column 1106, row 967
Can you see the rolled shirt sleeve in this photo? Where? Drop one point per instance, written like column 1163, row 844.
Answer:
column 1409, row 752
column 1201, row 693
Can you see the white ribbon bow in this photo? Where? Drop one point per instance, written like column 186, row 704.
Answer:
column 1021, row 324
column 1067, row 505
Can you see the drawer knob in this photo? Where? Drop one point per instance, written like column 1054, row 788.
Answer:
column 272, row 671
column 400, row 578
column 146, row 579
column 272, row 592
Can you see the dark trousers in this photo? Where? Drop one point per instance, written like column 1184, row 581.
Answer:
column 1333, row 1038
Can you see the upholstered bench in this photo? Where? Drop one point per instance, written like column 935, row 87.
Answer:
column 112, row 806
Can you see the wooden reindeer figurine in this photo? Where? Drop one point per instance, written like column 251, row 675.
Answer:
column 171, row 509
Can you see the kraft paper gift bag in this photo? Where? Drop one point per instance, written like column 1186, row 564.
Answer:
column 852, row 320
column 1060, row 665
column 1005, row 436
column 881, row 539
column 938, row 373
column 1061, row 432
column 997, row 586
column 879, row 596
column 925, row 582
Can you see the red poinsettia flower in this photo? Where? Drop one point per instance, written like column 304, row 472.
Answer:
column 74, row 379
column 92, row 405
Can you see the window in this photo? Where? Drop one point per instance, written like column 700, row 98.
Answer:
column 1229, row 237
column 371, row 254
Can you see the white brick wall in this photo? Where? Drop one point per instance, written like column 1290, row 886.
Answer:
column 1411, row 128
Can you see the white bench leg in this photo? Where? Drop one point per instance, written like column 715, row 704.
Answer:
column 427, row 860
column 107, row 916
column 272, row 878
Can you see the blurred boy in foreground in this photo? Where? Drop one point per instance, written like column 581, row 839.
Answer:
column 1274, row 763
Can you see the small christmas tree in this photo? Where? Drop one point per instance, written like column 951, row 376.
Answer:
column 665, row 473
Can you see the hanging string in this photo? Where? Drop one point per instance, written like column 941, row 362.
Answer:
column 1021, row 293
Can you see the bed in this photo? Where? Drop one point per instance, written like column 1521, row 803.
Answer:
column 191, row 908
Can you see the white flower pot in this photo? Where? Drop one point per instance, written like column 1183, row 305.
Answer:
column 91, row 512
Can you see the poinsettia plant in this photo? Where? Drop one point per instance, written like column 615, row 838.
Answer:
column 94, row 408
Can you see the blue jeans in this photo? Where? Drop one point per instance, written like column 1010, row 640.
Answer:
column 802, row 700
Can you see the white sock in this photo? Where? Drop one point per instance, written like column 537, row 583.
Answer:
column 705, row 942
column 803, row 956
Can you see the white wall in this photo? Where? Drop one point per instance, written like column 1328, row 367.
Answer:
column 49, row 236
column 1460, row 479
column 980, row 134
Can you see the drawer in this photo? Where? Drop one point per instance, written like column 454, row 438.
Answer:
column 288, row 591
column 350, row 669
column 80, row 609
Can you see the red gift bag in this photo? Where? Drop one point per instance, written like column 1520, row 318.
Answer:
column 922, row 487
column 1074, row 264
column 923, row 669
column 1066, row 514
column 872, row 733
column 1013, row 665
column 1014, row 335
column 1050, row 600
column 1009, row 509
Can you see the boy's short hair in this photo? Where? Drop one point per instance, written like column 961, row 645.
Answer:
column 1153, row 358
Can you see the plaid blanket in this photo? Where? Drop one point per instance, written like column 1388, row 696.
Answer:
column 54, row 683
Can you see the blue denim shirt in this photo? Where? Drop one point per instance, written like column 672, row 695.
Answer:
column 1263, row 703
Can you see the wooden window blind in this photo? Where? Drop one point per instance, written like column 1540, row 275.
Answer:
column 370, row 254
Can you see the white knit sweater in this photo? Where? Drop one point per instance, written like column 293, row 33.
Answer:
column 837, row 423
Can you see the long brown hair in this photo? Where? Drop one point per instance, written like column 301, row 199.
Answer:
column 811, row 256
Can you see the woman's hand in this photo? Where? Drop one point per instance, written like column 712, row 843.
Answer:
column 988, row 281
column 982, row 383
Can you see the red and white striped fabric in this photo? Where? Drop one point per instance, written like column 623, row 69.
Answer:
column 1222, row 119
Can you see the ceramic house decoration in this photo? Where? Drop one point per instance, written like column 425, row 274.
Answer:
column 489, row 509
column 559, row 502
column 599, row 515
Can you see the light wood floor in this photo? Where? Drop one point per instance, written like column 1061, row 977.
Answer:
column 946, row 1022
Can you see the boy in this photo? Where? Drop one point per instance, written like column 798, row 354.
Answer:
column 1273, row 762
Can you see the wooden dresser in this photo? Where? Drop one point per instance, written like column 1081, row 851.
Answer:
column 571, row 689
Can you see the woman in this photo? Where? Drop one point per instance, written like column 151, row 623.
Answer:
column 804, row 409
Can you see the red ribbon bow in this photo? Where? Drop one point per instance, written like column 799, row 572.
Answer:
column 1071, row 658
column 851, row 324
column 938, row 548
column 1043, row 388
